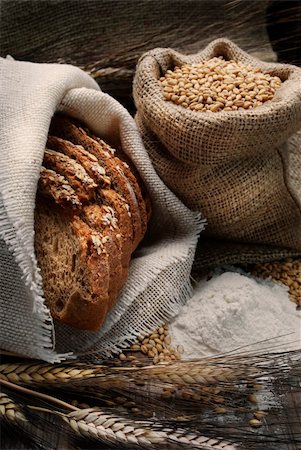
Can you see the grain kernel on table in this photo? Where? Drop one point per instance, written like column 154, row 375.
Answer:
column 218, row 85
column 255, row 423
column 157, row 346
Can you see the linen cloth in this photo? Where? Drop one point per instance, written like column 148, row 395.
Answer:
column 159, row 277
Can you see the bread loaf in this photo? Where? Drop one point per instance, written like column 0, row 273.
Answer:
column 91, row 213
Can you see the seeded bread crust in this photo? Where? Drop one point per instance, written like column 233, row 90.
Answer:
column 64, row 128
column 88, row 221
column 75, row 174
column 107, row 196
column 51, row 184
column 131, row 173
column 111, row 198
column 88, row 161
column 102, row 219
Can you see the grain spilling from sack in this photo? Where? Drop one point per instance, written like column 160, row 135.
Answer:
column 218, row 85
column 156, row 346
column 287, row 272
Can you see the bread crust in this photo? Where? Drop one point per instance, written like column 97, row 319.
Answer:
column 111, row 198
column 106, row 195
column 102, row 219
column 82, row 305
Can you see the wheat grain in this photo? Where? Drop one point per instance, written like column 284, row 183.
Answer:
column 260, row 414
column 255, row 423
column 218, row 85
column 157, row 346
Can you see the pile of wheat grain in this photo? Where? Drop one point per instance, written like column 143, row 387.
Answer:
column 218, row 85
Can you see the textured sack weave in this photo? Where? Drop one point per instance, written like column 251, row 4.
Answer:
column 238, row 168
column 158, row 281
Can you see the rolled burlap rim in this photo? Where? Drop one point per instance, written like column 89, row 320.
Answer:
column 233, row 133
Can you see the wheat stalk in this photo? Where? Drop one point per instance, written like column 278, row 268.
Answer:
column 178, row 373
column 205, row 372
column 9, row 410
column 47, row 373
column 198, row 376
column 109, row 428
column 195, row 373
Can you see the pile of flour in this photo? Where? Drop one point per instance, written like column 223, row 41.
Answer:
column 232, row 311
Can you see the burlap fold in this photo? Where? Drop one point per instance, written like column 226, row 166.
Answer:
column 234, row 167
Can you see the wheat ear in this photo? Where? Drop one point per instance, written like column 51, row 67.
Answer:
column 9, row 410
column 179, row 373
column 194, row 373
column 208, row 371
column 47, row 373
column 109, row 428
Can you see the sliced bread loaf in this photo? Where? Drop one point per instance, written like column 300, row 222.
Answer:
column 90, row 216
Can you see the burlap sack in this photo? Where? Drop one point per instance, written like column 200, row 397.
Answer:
column 238, row 168
column 159, row 276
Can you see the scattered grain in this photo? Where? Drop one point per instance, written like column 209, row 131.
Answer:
column 255, row 423
column 156, row 346
column 252, row 398
column 144, row 349
column 135, row 347
column 260, row 414
column 220, row 410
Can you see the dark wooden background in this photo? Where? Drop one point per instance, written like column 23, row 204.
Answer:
column 107, row 37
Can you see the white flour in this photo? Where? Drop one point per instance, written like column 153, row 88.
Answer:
column 232, row 311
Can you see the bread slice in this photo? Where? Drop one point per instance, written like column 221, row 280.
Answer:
column 111, row 198
column 88, row 161
column 102, row 219
column 106, row 196
column 51, row 184
column 74, row 266
column 125, row 165
column 75, row 174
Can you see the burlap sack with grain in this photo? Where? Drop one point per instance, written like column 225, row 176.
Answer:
column 238, row 168
column 158, row 282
